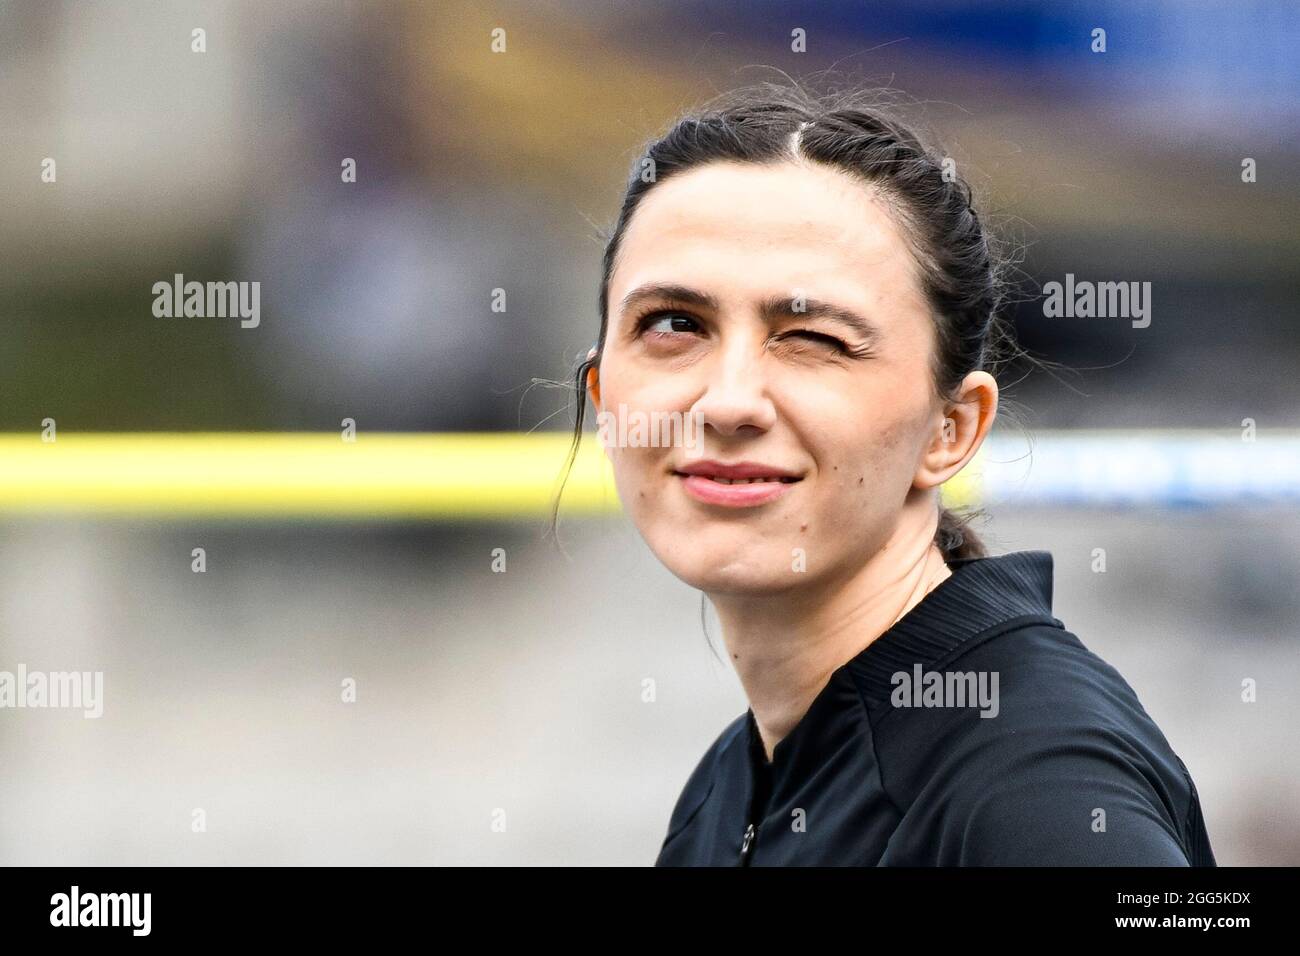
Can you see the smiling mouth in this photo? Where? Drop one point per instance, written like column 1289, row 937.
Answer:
column 740, row 481
column 735, row 486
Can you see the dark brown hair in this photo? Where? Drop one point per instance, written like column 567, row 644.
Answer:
column 962, row 264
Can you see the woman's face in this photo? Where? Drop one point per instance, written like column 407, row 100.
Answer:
column 800, row 338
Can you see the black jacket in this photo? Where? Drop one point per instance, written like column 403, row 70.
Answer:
column 1065, row 769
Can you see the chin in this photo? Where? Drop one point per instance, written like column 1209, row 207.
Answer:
column 721, row 564
column 737, row 580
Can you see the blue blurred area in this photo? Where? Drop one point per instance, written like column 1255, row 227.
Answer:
column 1235, row 53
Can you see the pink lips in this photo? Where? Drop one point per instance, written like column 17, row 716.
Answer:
column 744, row 484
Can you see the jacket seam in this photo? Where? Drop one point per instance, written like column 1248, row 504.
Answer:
column 722, row 746
column 875, row 754
column 995, row 630
column 690, row 818
column 1189, row 817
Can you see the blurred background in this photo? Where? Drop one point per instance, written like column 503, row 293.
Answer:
column 479, row 692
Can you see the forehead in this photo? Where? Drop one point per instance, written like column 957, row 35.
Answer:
column 742, row 228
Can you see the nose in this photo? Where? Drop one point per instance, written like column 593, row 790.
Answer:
column 736, row 395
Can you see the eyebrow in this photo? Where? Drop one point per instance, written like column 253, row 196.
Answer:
column 773, row 307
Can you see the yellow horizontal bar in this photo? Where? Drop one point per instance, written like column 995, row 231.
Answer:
column 270, row 475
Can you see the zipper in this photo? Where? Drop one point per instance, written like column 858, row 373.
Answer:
column 757, row 807
column 747, row 845
column 760, row 795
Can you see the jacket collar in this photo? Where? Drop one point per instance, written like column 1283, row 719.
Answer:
column 981, row 598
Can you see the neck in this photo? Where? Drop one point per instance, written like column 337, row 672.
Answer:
column 786, row 646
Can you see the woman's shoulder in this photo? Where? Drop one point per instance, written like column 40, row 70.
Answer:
column 1063, row 763
column 1046, row 678
column 703, row 778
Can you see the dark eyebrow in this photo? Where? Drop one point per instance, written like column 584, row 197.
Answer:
column 783, row 306
column 777, row 306
column 672, row 293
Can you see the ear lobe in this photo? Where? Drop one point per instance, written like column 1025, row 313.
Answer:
column 593, row 385
column 965, row 425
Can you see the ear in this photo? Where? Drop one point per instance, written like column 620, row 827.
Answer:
column 959, row 431
column 593, row 380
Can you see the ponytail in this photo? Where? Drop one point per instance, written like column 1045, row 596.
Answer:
column 955, row 538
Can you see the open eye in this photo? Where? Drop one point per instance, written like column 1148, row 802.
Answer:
column 666, row 322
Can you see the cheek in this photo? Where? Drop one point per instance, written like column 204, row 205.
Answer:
column 644, row 421
column 867, row 452
column 641, row 480
column 634, row 469
column 631, row 383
